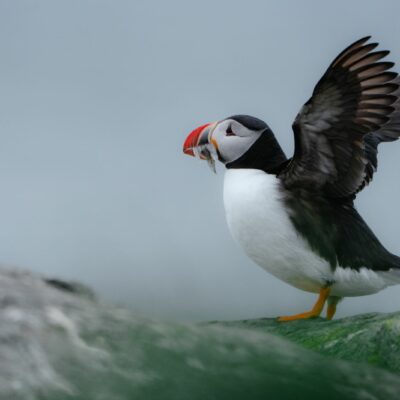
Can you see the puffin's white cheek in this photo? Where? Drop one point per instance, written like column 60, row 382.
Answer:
column 233, row 147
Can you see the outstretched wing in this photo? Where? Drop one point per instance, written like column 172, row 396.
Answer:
column 338, row 130
column 388, row 133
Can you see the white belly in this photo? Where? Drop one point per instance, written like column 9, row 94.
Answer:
column 259, row 222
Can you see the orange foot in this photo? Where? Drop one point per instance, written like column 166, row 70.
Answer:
column 316, row 310
column 332, row 302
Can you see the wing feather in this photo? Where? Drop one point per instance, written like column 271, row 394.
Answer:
column 353, row 108
column 387, row 133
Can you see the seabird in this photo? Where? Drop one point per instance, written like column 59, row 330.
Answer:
column 296, row 217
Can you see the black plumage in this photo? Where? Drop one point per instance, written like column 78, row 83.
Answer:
column 355, row 97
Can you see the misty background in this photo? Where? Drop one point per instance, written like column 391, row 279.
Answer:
column 96, row 99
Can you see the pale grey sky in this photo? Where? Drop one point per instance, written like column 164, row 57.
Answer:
column 96, row 98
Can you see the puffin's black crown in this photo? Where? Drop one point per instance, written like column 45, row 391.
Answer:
column 265, row 154
column 252, row 123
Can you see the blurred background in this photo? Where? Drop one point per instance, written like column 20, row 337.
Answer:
column 96, row 99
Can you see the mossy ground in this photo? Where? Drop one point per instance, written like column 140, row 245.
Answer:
column 369, row 338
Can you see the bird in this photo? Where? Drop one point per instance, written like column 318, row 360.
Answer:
column 295, row 217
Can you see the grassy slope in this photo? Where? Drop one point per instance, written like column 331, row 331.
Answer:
column 368, row 338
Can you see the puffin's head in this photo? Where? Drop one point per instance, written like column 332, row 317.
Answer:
column 227, row 140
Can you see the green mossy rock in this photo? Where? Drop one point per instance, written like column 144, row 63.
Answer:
column 370, row 338
column 58, row 343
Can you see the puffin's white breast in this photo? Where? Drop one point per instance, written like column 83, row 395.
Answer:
column 259, row 222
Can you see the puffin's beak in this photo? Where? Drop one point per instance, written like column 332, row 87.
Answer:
column 199, row 143
column 197, row 139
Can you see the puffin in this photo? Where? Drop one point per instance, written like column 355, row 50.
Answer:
column 295, row 217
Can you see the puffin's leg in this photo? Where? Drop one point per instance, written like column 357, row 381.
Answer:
column 332, row 303
column 316, row 310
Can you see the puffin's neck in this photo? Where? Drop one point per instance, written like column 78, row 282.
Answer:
column 265, row 154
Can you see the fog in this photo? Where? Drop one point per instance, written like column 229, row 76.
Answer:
column 96, row 100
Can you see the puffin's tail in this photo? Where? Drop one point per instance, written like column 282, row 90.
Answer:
column 393, row 274
column 392, row 277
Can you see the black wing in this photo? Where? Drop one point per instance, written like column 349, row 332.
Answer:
column 388, row 133
column 338, row 130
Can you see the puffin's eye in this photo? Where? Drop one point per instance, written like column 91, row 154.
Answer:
column 229, row 131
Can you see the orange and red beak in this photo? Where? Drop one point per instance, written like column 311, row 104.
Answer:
column 201, row 144
column 198, row 140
